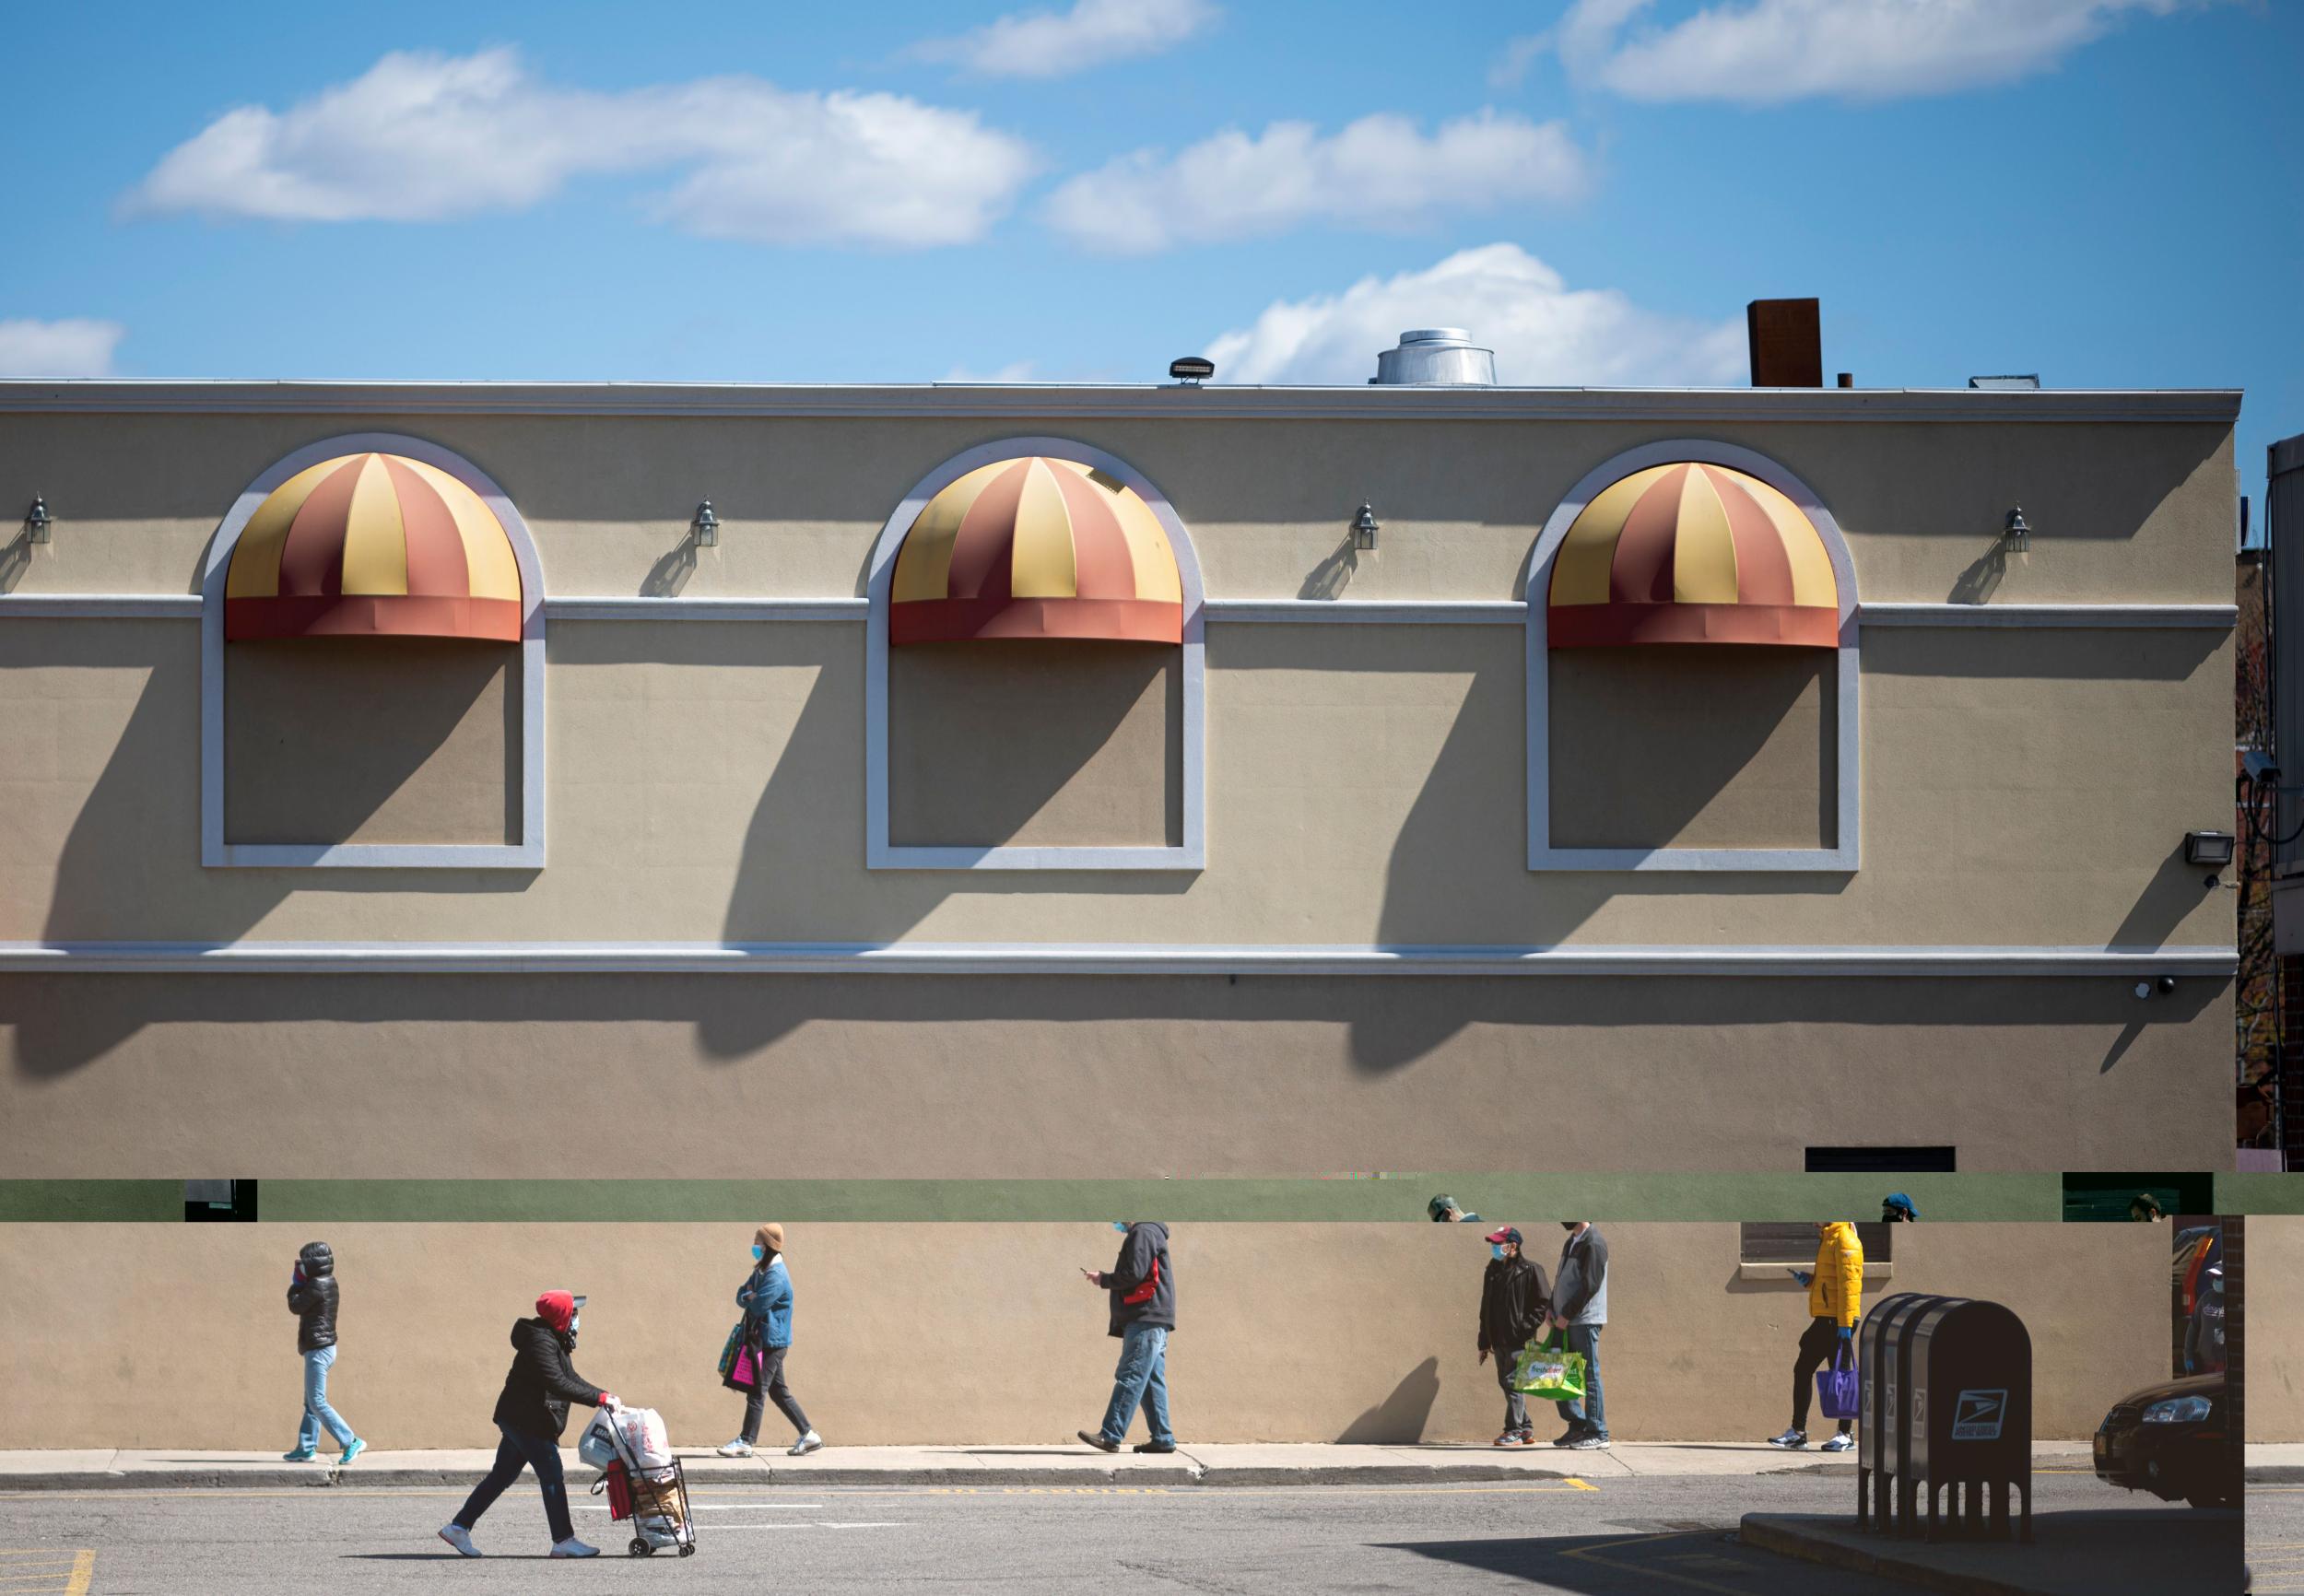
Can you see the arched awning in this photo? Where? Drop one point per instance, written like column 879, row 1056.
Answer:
column 367, row 545
column 1036, row 547
column 1692, row 552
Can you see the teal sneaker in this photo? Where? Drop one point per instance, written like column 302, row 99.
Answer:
column 353, row 1450
column 301, row 1455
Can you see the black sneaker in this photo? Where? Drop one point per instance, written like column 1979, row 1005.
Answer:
column 1099, row 1442
column 1156, row 1447
column 1590, row 1441
column 1568, row 1437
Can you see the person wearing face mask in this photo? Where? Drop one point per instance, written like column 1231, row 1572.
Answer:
column 1142, row 1286
column 311, row 1296
column 1512, row 1301
column 1580, row 1312
column 1835, row 1300
column 529, row 1416
column 766, row 1299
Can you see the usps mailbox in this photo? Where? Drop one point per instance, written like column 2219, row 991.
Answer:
column 1970, row 1399
column 1887, row 1491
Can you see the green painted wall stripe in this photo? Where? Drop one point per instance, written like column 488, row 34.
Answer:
column 1513, row 1199
column 2253, row 1193
column 25, row 1202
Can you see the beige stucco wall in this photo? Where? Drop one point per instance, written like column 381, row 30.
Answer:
column 1693, row 746
column 2275, row 1327
column 1036, row 742
column 2126, row 512
column 178, row 1336
column 371, row 740
column 883, row 1076
column 1364, row 785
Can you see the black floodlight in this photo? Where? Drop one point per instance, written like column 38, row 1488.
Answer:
column 1192, row 369
column 2213, row 849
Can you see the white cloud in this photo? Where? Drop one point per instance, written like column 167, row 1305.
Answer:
column 1379, row 172
column 1051, row 44
column 424, row 138
column 1545, row 334
column 1518, row 55
column 1770, row 52
column 75, row 346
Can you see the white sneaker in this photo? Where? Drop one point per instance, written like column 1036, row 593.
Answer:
column 573, row 1547
column 459, row 1537
column 811, row 1442
column 739, row 1447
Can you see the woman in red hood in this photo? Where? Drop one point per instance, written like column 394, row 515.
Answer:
column 529, row 1416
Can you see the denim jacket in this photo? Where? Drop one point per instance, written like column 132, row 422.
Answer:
column 766, row 1299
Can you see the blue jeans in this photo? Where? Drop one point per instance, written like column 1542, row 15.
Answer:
column 1141, row 1378
column 1592, row 1414
column 316, row 1408
column 538, row 1452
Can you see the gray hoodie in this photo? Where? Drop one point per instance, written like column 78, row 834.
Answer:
column 1579, row 1291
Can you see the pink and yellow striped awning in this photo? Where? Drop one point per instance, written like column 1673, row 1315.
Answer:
column 1691, row 553
column 1036, row 547
column 366, row 545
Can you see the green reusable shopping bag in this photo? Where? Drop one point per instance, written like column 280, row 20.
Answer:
column 728, row 1353
column 1547, row 1370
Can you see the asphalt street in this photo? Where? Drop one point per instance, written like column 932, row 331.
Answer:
column 1626, row 1536
column 2276, row 1537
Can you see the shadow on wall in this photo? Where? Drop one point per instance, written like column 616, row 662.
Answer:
column 1035, row 741
column 370, row 739
column 1400, row 1418
column 1693, row 745
column 1335, row 572
column 15, row 559
column 136, row 839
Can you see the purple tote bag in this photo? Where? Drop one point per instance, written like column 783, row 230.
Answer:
column 1838, row 1391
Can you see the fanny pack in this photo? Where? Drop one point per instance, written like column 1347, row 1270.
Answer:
column 1148, row 1291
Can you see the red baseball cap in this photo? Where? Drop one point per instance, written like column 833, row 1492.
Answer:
column 1507, row 1234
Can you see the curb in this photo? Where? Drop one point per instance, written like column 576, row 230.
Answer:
column 1142, row 1476
column 1770, row 1533
column 2273, row 1474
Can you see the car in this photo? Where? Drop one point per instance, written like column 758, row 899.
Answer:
column 2175, row 1440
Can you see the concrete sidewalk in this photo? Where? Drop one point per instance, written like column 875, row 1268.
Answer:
column 1054, row 1466
column 2275, row 1463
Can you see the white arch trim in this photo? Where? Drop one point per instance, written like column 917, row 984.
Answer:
column 1842, row 855
column 525, row 854
column 1192, row 853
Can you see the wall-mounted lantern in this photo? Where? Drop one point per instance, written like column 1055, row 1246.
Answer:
column 1364, row 528
column 38, row 523
column 706, row 527
column 2016, row 536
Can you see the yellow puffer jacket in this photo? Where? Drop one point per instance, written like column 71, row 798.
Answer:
column 1837, row 1292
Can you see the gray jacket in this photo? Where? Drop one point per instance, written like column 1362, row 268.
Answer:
column 1580, row 1290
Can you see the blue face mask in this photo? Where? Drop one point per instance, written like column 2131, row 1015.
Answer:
column 1121, row 1225
column 758, row 1252
column 1495, row 1250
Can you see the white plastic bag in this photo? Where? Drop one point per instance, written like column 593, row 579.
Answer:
column 647, row 1444
column 596, row 1445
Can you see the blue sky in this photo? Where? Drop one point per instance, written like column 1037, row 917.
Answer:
column 2102, row 191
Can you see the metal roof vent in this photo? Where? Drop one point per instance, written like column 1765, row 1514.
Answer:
column 1436, row 356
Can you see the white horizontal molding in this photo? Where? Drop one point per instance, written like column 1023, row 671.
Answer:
column 1061, row 402
column 1358, row 612
column 2161, row 617
column 706, row 609
column 100, row 606
column 1259, row 612
column 1102, row 958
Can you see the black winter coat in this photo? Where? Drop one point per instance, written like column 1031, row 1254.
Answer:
column 542, row 1383
column 1147, row 1243
column 1513, row 1296
column 314, row 1301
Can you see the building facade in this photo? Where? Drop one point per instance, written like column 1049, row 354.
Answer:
column 411, row 782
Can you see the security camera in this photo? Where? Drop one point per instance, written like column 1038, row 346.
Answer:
column 2167, row 984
